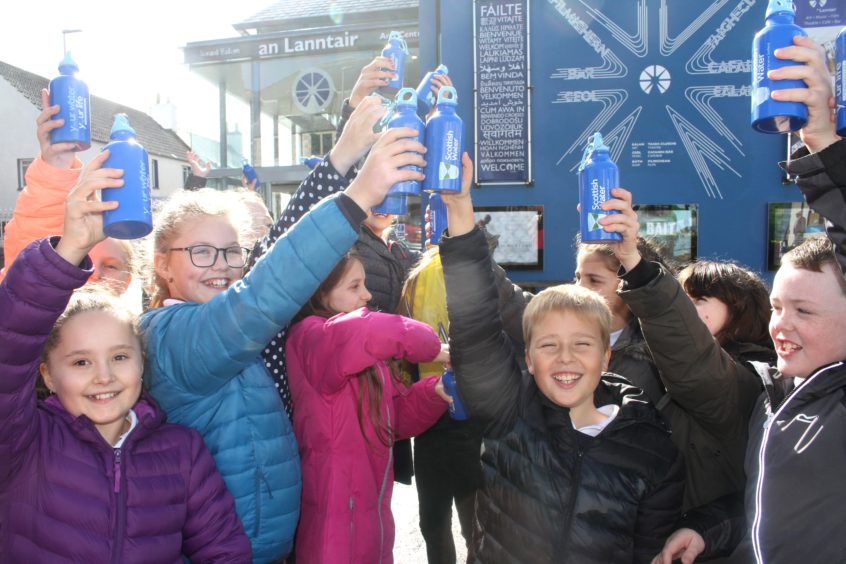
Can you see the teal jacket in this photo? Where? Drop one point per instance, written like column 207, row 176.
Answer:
column 205, row 370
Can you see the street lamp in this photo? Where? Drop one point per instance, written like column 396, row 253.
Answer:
column 65, row 33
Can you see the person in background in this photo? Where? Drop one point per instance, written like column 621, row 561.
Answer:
column 95, row 465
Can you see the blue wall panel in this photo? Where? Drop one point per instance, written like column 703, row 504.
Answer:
column 670, row 73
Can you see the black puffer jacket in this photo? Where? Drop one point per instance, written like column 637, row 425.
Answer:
column 551, row 493
column 386, row 265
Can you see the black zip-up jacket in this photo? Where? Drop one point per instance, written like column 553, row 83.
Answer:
column 551, row 493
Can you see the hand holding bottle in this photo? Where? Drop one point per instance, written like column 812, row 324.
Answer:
column 626, row 224
column 358, row 136
column 819, row 132
column 59, row 155
column 459, row 205
column 374, row 74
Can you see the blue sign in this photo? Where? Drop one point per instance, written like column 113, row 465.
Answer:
column 667, row 83
column 501, row 75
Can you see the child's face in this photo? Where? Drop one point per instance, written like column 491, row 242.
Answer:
column 95, row 370
column 111, row 266
column 713, row 313
column 378, row 222
column 808, row 319
column 193, row 283
column 593, row 273
column 566, row 357
column 349, row 293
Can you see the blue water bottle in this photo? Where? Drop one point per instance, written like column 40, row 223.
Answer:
column 396, row 50
column 249, row 172
column 404, row 116
column 597, row 176
column 456, row 408
column 444, row 145
column 310, row 162
column 133, row 218
column 840, row 81
column 425, row 96
column 437, row 218
column 768, row 115
column 71, row 94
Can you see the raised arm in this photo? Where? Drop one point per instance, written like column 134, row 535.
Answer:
column 486, row 374
column 333, row 350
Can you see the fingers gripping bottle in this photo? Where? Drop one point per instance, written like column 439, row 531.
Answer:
column 71, row 94
column 457, row 410
column 840, row 82
column 437, row 218
column 597, row 176
column 444, row 145
column 133, row 218
column 249, row 173
column 768, row 115
column 396, row 50
column 425, row 96
column 404, row 116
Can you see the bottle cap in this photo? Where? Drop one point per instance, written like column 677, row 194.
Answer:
column 407, row 97
column 396, row 37
column 780, row 6
column 447, row 95
column 68, row 65
column 121, row 128
column 595, row 144
column 442, row 69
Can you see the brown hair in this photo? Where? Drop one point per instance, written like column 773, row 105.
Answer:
column 181, row 208
column 812, row 255
column 370, row 385
column 646, row 247
column 744, row 294
column 582, row 302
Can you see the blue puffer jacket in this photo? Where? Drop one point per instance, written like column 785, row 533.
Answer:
column 204, row 369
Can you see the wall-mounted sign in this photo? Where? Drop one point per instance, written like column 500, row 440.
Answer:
column 501, row 84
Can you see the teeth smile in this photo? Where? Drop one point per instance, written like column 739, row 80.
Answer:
column 217, row 283
column 566, row 379
column 790, row 347
column 109, row 395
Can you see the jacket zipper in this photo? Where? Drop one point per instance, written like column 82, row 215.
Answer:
column 388, row 467
column 120, row 501
column 759, row 486
column 352, row 524
column 577, row 481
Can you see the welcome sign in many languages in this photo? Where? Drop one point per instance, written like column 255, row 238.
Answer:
column 501, row 97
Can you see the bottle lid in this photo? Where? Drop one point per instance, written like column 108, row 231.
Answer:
column 595, row 144
column 121, row 128
column 780, row 6
column 396, row 37
column 442, row 69
column 68, row 65
column 447, row 95
column 407, row 97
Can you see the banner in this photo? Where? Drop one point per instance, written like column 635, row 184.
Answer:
column 501, row 86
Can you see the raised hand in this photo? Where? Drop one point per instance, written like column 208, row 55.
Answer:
column 84, row 210
column 460, row 206
column 626, row 224
column 197, row 168
column 438, row 82
column 820, row 131
column 60, row 155
column 396, row 148
column 358, row 135
column 372, row 76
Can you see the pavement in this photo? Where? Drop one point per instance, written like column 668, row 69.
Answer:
column 409, row 547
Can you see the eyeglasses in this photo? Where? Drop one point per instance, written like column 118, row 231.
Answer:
column 205, row 256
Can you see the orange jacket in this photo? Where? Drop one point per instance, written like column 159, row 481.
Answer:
column 40, row 208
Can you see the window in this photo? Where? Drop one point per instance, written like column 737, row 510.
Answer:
column 317, row 143
column 186, row 172
column 155, row 174
column 23, row 164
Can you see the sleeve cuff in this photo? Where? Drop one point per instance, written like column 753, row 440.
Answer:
column 640, row 275
column 354, row 214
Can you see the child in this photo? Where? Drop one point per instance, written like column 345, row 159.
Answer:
column 350, row 407
column 576, row 466
column 94, row 474
column 208, row 328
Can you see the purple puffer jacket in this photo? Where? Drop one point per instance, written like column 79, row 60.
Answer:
column 66, row 494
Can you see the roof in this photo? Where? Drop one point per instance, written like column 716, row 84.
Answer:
column 336, row 9
column 156, row 139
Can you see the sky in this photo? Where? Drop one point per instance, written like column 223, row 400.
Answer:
column 128, row 51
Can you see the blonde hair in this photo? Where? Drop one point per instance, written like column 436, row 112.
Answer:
column 184, row 207
column 582, row 302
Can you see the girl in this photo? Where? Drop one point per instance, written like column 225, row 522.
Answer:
column 576, row 466
column 702, row 330
column 350, row 407
column 94, row 474
column 208, row 327
column 596, row 269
